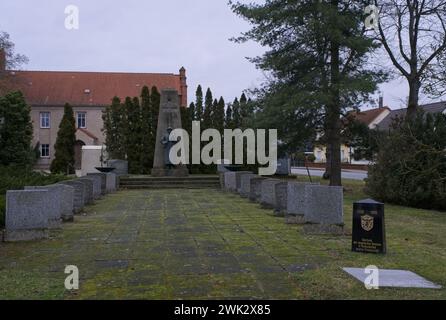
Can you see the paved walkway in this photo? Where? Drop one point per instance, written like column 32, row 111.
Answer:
column 193, row 244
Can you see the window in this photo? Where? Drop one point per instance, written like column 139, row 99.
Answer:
column 44, row 150
column 44, row 120
column 82, row 120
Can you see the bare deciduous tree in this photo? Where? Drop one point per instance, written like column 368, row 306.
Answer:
column 413, row 33
column 13, row 61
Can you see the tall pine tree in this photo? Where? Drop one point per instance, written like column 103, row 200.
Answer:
column 64, row 147
column 318, row 58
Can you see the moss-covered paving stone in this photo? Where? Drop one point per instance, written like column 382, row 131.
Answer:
column 207, row 244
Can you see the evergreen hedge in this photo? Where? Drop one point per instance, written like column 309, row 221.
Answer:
column 410, row 167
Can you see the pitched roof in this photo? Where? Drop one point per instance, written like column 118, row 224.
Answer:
column 87, row 88
column 88, row 133
column 368, row 116
column 435, row 107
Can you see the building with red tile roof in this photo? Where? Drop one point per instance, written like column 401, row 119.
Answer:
column 87, row 92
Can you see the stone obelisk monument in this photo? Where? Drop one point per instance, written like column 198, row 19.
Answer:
column 169, row 118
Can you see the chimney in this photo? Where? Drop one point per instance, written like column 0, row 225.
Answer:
column 381, row 101
column 183, row 87
column 2, row 60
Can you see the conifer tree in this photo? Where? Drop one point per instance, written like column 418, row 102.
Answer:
column 207, row 116
column 319, row 61
column 229, row 124
column 192, row 113
column 244, row 112
column 147, row 139
column 64, row 147
column 220, row 115
column 155, row 99
column 16, row 130
column 199, row 104
column 236, row 116
column 132, row 136
column 214, row 111
column 114, row 129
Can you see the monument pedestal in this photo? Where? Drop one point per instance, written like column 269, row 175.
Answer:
column 175, row 172
column 169, row 119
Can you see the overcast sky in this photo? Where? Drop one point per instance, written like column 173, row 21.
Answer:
column 145, row 36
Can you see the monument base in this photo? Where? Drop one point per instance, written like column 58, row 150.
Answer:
column 175, row 172
column 25, row 235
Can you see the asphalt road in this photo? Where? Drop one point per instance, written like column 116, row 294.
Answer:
column 346, row 174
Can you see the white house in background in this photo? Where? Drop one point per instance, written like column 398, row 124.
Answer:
column 372, row 118
column 381, row 119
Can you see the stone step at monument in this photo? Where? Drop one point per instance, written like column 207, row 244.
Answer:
column 134, row 182
column 162, row 186
column 189, row 178
column 148, row 182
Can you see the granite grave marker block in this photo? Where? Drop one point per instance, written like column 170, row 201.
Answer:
column 245, row 184
column 54, row 198
column 280, row 198
column 267, row 195
column 88, row 195
column 255, row 190
column 103, row 181
column 97, row 185
column 296, row 202
column 323, row 211
column 110, row 182
column 121, row 166
column 26, row 215
column 79, row 190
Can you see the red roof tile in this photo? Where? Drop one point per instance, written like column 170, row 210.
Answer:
column 88, row 88
column 367, row 116
column 88, row 133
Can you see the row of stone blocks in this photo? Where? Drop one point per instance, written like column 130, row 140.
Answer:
column 31, row 212
column 319, row 208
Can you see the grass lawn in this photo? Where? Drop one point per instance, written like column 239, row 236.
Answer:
column 207, row 244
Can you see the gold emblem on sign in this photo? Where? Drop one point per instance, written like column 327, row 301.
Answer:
column 367, row 222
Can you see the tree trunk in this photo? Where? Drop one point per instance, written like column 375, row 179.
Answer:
column 327, row 160
column 334, row 146
column 334, row 112
column 414, row 90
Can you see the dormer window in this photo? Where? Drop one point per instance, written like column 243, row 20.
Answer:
column 87, row 91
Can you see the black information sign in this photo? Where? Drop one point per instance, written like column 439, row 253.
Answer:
column 368, row 233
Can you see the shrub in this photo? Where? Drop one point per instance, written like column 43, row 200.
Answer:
column 410, row 166
column 2, row 210
column 15, row 178
column 311, row 158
